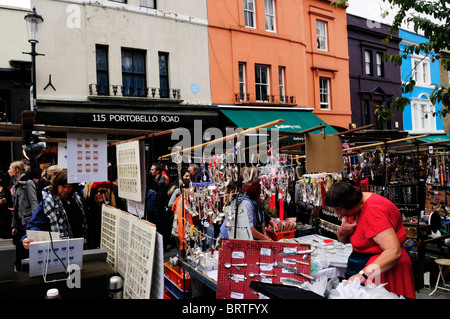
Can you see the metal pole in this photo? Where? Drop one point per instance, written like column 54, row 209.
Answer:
column 33, row 67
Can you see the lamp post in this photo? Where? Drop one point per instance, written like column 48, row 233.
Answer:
column 33, row 21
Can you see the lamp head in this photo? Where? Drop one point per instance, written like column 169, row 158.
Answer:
column 33, row 21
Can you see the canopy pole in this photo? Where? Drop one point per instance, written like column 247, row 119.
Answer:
column 249, row 130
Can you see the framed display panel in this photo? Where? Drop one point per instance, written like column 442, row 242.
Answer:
column 130, row 170
column 130, row 245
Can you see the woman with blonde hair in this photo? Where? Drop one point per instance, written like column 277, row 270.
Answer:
column 24, row 203
column 48, row 173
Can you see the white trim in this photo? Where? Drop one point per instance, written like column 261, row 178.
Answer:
column 106, row 4
column 253, row 107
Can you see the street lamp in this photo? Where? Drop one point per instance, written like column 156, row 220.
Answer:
column 33, row 21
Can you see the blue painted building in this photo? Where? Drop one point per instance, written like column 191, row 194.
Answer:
column 418, row 115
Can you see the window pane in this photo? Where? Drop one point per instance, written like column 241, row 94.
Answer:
column 127, row 61
column 139, row 62
column 148, row 3
column 321, row 30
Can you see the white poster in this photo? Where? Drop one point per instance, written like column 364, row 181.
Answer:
column 62, row 155
column 86, row 158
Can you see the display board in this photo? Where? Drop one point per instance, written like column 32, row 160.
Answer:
column 130, row 245
column 86, row 158
column 129, row 172
column 323, row 154
column 244, row 261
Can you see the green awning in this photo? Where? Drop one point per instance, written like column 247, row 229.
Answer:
column 436, row 138
column 294, row 120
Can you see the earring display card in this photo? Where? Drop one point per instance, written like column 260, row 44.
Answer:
column 87, row 157
column 244, row 261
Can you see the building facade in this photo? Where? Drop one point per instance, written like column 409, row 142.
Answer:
column 418, row 115
column 373, row 81
column 15, row 76
column 133, row 64
column 280, row 55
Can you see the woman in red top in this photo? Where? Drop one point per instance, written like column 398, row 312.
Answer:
column 373, row 225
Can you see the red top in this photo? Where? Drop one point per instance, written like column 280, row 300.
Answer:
column 377, row 215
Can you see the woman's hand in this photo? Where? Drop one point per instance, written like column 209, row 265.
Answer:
column 346, row 230
column 14, row 231
column 26, row 243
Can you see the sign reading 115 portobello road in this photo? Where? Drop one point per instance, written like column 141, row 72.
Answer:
column 135, row 118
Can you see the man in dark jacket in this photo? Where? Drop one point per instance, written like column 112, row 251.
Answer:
column 160, row 217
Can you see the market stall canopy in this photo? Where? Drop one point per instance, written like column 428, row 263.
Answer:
column 436, row 138
column 295, row 120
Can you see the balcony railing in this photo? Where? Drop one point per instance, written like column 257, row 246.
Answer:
column 268, row 99
column 129, row 91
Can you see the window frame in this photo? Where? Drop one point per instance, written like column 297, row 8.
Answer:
column 147, row 6
column 105, row 71
column 368, row 65
column 252, row 14
column 282, row 83
column 418, row 120
column 271, row 16
column 418, row 73
column 259, row 85
column 162, row 93
column 327, row 93
column 323, row 36
column 379, row 65
column 242, row 81
column 135, row 75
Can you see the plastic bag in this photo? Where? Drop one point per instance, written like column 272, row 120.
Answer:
column 353, row 290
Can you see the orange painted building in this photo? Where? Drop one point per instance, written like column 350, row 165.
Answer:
column 268, row 53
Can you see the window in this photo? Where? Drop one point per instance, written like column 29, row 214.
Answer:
column 321, row 30
column 421, row 71
column 121, row 1
column 422, row 114
column 242, row 84
column 380, row 66
column 281, row 84
column 368, row 62
column 249, row 13
column 133, row 73
column 269, row 6
column 324, row 84
column 101, row 57
column 163, row 74
column 262, row 83
column 148, row 3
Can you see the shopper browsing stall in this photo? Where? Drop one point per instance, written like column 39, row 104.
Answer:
column 61, row 210
column 96, row 194
column 373, row 225
column 251, row 198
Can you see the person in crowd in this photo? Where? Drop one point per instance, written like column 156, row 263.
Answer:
column 6, row 205
column 48, row 173
column 373, row 225
column 186, row 177
column 112, row 176
column 160, row 217
column 176, row 205
column 24, row 203
column 61, row 210
column 256, row 216
column 96, row 194
column 195, row 174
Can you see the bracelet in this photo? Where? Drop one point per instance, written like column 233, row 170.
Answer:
column 362, row 273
